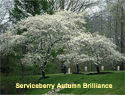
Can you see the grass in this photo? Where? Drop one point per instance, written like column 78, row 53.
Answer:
column 116, row 79
column 54, row 79
column 8, row 83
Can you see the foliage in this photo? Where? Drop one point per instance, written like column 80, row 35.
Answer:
column 40, row 35
column 25, row 8
column 87, row 47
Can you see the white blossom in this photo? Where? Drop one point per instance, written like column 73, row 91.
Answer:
column 42, row 33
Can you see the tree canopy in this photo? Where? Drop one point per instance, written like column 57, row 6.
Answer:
column 43, row 33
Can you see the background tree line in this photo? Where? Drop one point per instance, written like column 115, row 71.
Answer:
column 110, row 21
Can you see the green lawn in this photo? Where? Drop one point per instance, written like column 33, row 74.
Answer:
column 116, row 79
column 53, row 79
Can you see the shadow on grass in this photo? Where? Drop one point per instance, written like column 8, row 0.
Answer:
column 77, row 73
column 99, row 73
column 43, row 77
column 93, row 73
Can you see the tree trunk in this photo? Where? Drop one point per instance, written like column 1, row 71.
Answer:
column 7, row 65
column 43, row 74
column 77, row 68
column 97, row 68
column 116, row 29
column 43, row 71
column 122, row 34
column 64, row 69
column 22, row 70
column 62, row 4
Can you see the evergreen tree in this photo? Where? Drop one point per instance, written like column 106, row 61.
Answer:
column 24, row 8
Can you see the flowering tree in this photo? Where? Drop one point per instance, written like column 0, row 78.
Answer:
column 91, row 47
column 40, row 34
